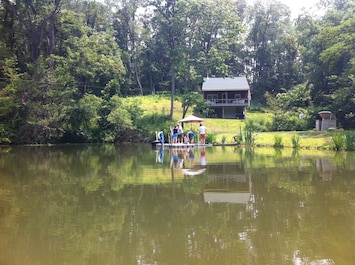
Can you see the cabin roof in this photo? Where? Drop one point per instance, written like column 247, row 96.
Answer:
column 225, row 84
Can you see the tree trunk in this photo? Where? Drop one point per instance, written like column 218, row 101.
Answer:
column 51, row 35
column 172, row 92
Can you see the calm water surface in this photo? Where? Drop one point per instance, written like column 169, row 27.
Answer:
column 105, row 204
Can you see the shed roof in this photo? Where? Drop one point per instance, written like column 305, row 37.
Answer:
column 225, row 84
column 327, row 115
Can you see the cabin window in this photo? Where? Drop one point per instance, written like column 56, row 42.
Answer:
column 237, row 96
column 212, row 97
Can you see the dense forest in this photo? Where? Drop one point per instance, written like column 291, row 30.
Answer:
column 67, row 66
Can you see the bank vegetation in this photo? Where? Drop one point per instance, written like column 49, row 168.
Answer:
column 75, row 71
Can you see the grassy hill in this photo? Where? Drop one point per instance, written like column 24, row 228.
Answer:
column 227, row 128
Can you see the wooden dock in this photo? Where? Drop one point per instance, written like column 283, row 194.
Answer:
column 157, row 144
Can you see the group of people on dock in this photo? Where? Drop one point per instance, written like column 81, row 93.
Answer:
column 177, row 135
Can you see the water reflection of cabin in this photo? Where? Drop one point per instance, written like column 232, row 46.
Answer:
column 326, row 169
column 227, row 183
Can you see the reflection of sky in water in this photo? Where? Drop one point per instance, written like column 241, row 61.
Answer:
column 128, row 205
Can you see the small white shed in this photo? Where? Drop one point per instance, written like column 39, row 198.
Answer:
column 328, row 120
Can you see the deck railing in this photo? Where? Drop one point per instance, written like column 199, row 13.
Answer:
column 228, row 102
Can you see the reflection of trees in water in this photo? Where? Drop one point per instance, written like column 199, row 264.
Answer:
column 95, row 216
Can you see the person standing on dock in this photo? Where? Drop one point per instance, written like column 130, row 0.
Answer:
column 180, row 138
column 202, row 131
column 175, row 134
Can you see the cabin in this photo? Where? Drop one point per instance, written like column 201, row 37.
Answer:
column 228, row 97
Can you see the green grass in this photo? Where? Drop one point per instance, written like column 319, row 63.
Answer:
column 308, row 139
column 225, row 129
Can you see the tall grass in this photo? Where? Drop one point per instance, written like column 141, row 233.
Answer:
column 295, row 140
column 238, row 139
column 338, row 141
column 344, row 140
column 211, row 138
column 278, row 141
column 249, row 138
column 349, row 140
column 224, row 138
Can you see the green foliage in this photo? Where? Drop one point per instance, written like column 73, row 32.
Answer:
column 211, row 138
column 338, row 141
column 349, row 140
column 238, row 139
column 249, row 138
column 4, row 137
column 62, row 63
column 155, row 122
column 344, row 140
column 224, row 138
column 191, row 99
column 267, row 23
column 298, row 97
column 291, row 109
column 203, row 109
column 278, row 141
column 120, row 118
column 288, row 122
column 13, row 100
column 295, row 141
column 258, row 124
column 255, row 107
column 89, row 107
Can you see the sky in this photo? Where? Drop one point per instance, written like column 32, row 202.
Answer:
column 297, row 5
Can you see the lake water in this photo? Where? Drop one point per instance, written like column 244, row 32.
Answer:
column 129, row 204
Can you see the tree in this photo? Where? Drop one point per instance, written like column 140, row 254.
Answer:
column 128, row 28
column 12, row 99
column 170, row 25
column 32, row 23
column 271, row 48
column 189, row 100
column 329, row 59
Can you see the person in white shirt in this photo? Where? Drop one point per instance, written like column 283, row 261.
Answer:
column 180, row 137
column 202, row 131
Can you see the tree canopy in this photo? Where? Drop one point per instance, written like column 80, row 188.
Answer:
column 66, row 65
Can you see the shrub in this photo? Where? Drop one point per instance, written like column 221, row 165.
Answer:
column 258, row 125
column 248, row 136
column 288, row 122
column 238, row 139
column 223, row 139
column 211, row 137
column 338, row 140
column 349, row 140
column 295, row 140
column 278, row 141
column 256, row 107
